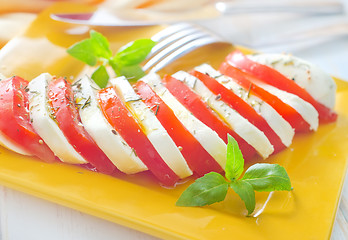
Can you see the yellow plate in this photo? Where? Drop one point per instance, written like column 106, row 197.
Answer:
column 316, row 163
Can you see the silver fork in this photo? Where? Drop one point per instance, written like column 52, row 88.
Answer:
column 175, row 41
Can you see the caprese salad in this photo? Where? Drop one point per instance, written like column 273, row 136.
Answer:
column 173, row 127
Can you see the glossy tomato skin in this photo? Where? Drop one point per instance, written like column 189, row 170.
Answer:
column 126, row 125
column 287, row 112
column 242, row 107
column 65, row 113
column 205, row 114
column 15, row 120
column 198, row 159
column 278, row 80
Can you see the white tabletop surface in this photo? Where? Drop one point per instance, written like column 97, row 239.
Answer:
column 26, row 217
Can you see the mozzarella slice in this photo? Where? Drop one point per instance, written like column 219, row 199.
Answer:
column 7, row 143
column 153, row 129
column 45, row 126
column 307, row 75
column 208, row 138
column 304, row 108
column 251, row 134
column 279, row 125
column 105, row 136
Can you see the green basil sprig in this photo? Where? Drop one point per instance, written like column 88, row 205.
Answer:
column 213, row 187
column 95, row 51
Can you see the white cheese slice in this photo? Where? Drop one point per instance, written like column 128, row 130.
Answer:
column 304, row 108
column 7, row 143
column 251, row 134
column 208, row 138
column 307, row 75
column 279, row 125
column 153, row 129
column 45, row 126
column 105, row 136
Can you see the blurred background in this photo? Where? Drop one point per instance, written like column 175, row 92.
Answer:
column 305, row 34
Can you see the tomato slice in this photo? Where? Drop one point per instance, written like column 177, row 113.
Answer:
column 242, row 107
column 287, row 112
column 198, row 159
column 15, row 119
column 276, row 79
column 124, row 123
column 205, row 114
column 61, row 100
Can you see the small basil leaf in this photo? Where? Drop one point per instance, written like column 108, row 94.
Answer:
column 265, row 177
column 132, row 73
column 209, row 189
column 100, row 45
column 100, row 76
column 246, row 193
column 115, row 66
column 84, row 52
column 135, row 52
column 235, row 161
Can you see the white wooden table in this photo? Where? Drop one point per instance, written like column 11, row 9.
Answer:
column 25, row 217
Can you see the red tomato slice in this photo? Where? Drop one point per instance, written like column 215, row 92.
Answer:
column 15, row 119
column 276, row 79
column 198, row 159
column 129, row 129
column 61, row 100
column 287, row 112
column 242, row 107
column 205, row 114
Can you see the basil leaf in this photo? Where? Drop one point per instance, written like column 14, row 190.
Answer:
column 209, row 189
column 132, row 73
column 265, row 177
column 100, row 76
column 115, row 66
column 83, row 51
column 235, row 161
column 246, row 193
column 100, row 45
column 134, row 52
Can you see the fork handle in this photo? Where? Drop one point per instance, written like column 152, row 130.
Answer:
column 268, row 6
